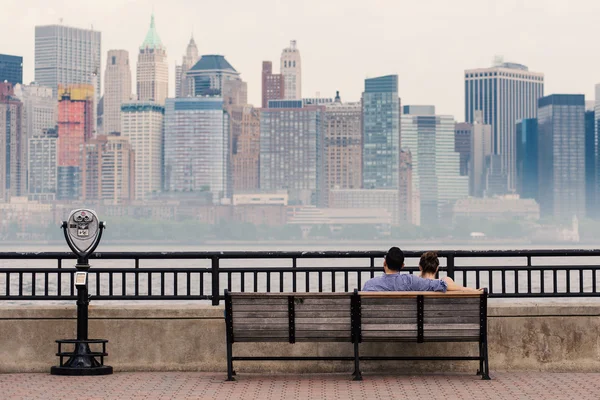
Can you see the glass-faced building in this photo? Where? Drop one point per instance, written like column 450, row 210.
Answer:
column 291, row 150
column 527, row 158
column 591, row 164
column 11, row 69
column 436, row 179
column 561, row 129
column 381, row 133
column 43, row 166
column 196, row 147
column 505, row 93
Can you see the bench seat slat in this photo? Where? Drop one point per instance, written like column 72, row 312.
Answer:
column 323, row 314
column 389, row 327
column 386, row 320
column 254, row 307
column 322, row 307
column 451, row 307
column 306, row 301
column 452, row 319
column 449, row 327
column 244, row 326
column 260, row 301
column 301, row 321
column 389, row 314
column 259, row 314
column 412, row 302
column 464, row 333
column 260, row 333
column 261, row 339
column 390, row 306
column 321, row 327
column 323, row 334
column 390, row 334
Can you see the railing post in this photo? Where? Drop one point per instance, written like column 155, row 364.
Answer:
column 215, row 281
column 450, row 266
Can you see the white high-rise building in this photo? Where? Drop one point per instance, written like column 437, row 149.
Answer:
column 39, row 108
column 291, row 69
column 142, row 123
column 152, row 68
column 117, row 88
column 42, row 169
column 183, row 85
column 66, row 55
column 505, row 93
column 481, row 148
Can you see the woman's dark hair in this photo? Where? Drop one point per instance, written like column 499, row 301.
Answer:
column 394, row 259
column 429, row 262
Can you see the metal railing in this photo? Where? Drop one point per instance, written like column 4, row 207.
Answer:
column 205, row 275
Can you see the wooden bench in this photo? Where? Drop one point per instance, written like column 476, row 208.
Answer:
column 356, row 318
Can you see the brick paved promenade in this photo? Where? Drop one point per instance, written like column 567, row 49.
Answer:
column 190, row 385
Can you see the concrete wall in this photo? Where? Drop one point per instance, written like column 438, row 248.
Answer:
column 547, row 336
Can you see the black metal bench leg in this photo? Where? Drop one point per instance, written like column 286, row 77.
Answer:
column 480, row 370
column 230, row 371
column 485, row 372
column 357, row 375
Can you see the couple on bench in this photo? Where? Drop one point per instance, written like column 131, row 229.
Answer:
column 394, row 281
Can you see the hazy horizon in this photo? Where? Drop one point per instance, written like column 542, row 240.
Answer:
column 429, row 44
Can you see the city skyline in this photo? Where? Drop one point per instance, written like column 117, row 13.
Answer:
column 330, row 65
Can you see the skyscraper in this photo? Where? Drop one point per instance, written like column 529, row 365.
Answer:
column 142, row 125
column 504, row 93
column 291, row 69
column 561, row 129
column 152, row 68
column 591, row 165
column 117, row 89
column 39, row 108
column 291, row 150
column 13, row 145
column 197, row 147
column 273, row 85
column 381, row 133
column 11, row 69
column 436, row 178
column 245, row 148
column 75, row 122
column 343, row 147
column 481, row 149
column 528, row 158
column 183, row 85
column 67, row 56
column 463, row 133
column 108, row 175
column 42, row 166
column 212, row 75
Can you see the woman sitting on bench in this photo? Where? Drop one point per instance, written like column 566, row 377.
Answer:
column 429, row 264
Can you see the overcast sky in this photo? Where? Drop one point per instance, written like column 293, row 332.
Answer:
column 428, row 43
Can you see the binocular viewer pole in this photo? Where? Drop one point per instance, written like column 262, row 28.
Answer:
column 82, row 232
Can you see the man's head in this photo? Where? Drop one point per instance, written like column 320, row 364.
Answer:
column 394, row 260
column 429, row 263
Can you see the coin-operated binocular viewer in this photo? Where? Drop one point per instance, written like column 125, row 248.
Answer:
column 82, row 232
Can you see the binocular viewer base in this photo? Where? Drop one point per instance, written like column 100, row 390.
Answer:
column 82, row 361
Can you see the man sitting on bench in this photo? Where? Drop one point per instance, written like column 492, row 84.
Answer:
column 394, row 281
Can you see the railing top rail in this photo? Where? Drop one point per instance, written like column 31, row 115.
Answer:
column 298, row 254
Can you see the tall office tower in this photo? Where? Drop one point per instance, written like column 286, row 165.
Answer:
column 527, row 159
column 184, row 86
column 291, row 150
column 463, row 133
column 496, row 178
column 436, row 178
column 273, row 85
column 42, row 166
column 67, row 56
column 381, row 133
column 561, row 129
column 75, row 125
column 13, row 145
column 39, row 108
column 142, row 125
column 245, row 148
column 108, row 170
column 152, row 68
column 291, row 69
column 481, row 148
column 212, row 75
column 504, row 93
column 197, row 147
column 597, row 144
column 408, row 210
column 343, row 147
column 117, row 89
column 591, row 163
column 11, row 69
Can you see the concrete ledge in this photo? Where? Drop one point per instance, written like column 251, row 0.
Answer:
column 538, row 336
